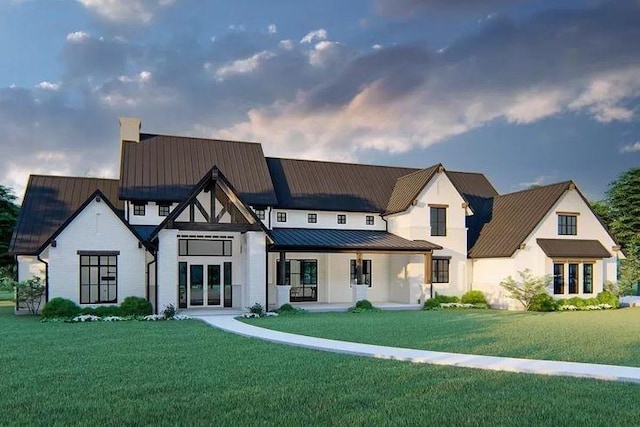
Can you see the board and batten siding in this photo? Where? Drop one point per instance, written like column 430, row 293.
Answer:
column 96, row 228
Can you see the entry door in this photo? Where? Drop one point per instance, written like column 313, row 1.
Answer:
column 199, row 294
column 214, row 288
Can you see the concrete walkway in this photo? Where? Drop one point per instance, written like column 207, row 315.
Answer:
column 491, row 363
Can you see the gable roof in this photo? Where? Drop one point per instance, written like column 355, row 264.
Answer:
column 50, row 201
column 408, row 187
column 573, row 248
column 309, row 184
column 213, row 175
column 165, row 168
column 510, row 218
column 472, row 186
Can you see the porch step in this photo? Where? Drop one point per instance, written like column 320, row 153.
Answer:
column 337, row 307
column 211, row 312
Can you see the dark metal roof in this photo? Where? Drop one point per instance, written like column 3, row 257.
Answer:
column 330, row 240
column 478, row 192
column 408, row 187
column 510, row 218
column 165, row 168
column 305, row 184
column 573, row 248
column 49, row 201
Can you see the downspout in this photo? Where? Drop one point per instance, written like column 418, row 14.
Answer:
column 266, row 274
column 17, row 277
column 46, row 279
column 153, row 261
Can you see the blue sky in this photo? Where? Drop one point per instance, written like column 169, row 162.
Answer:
column 526, row 91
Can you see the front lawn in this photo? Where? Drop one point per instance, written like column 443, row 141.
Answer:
column 609, row 337
column 187, row 373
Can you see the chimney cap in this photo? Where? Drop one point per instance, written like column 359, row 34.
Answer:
column 130, row 128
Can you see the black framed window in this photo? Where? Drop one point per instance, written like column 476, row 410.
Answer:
column 260, row 213
column 370, row 220
column 312, row 218
column 558, row 279
column 438, row 221
column 440, row 270
column 587, row 278
column 573, row 278
column 139, row 209
column 281, row 217
column 196, row 247
column 567, row 225
column 366, row 272
column 163, row 209
column 302, row 276
column 342, row 219
column 98, row 278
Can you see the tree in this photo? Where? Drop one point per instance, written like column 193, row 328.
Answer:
column 527, row 289
column 8, row 216
column 623, row 202
column 29, row 293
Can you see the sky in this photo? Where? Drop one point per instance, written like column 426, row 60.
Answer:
column 529, row 92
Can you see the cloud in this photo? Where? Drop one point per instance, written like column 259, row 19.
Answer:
column 408, row 8
column 48, row 86
column 77, row 36
column 316, row 35
column 631, row 148
column 272, row 29
column 241, row 66
column 126, row 11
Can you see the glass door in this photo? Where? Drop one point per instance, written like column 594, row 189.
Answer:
column 213, row 285
column 196, row 285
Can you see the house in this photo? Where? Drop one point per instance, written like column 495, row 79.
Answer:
column 209, row 223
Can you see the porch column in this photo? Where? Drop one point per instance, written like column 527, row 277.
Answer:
column 428, row 279
column 283, row 291
column 359, row 288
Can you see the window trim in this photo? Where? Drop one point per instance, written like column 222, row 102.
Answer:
column 437, row 221
column 558, row 285
column 227, row 247
column 139, row 207
column 99, row 254
column 584, row 278
column 370, row 220
column 434, row 270
column 261, row 214
column 162, row 206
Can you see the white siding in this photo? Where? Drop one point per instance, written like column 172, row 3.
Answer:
column 326, row 219
column 415, row 224
column 96, row 228
column 167, row 269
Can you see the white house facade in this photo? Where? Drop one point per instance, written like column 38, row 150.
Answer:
column 209, row 224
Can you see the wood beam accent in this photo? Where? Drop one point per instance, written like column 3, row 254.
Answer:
column 428, row 274
column 192, row 213
column 220, row 215
column 202, row 210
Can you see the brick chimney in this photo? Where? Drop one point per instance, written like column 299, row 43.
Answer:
column 129, row 129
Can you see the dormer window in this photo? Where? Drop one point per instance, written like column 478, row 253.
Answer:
column 567, row 224
column 370, row 219
column 163, row 209
column 139, row 209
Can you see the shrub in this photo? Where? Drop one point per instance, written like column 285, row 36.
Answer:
column 60, row 307
column 529, row 287
column 473, row 297
column 29, row 293
column 543, row 302
column 256, row 309
column 432, row 303
column 169, row 312
column 106, row 311
column 135, row 306
column 364, row 304
column 446, row 299
column 607, row 297
column 289, row 309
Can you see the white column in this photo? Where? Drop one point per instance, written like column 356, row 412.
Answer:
column 167, row 280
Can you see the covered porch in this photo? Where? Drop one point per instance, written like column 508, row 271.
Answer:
column 335, row 268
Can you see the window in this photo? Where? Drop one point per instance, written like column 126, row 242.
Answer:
column 587, row 278
column 99, row 278
column 438, row 221
column 558, row 279
column 440, row 270
column 163, row 209
column 342, row 219
column 193, row 247
column 370, row 219
column 312, row 218
column 302, row 276
column 260, row 213
column 138, row 209
column 567, row 225
column 282, row 217
column 573, row 278
column 366, row 272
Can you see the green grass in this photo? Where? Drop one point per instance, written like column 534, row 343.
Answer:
column 6, row 295
column 186, row 373
column 609, row 337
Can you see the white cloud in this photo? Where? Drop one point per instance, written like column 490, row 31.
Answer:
column 48, row 86
column 126, row 11
column 141, row 77
column 77, row 36
column 242, row 66
column 316, row 35
column 631, row 148
column 272, row 29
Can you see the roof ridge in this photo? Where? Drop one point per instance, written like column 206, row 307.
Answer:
column 418, row 171
column 343, row 163
column 72, row 177
column 202, row 138
column 536, row 188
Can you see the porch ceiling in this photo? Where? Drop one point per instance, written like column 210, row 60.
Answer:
column 331, row 240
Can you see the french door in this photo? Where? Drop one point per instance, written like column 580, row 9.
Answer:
column 204, row 285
